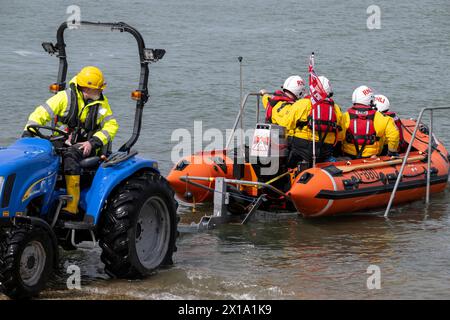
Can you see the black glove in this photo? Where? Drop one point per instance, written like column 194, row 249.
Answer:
column 96, row 143
column 26, row 134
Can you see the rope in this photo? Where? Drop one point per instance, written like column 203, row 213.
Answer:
column 278, row 177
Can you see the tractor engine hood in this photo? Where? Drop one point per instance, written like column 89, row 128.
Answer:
column 28, row 169
column 27, row 154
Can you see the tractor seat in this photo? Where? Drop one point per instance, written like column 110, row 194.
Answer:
column 93, row 162
column 90, row 163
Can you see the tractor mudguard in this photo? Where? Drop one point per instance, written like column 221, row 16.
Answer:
column 37, row 222
column 107, row 178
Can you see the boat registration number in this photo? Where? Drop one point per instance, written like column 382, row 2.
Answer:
column 367, row 174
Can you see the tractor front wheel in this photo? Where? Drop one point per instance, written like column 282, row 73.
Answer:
column 26, row 261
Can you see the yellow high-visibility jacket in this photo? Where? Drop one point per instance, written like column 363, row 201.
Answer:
column 385, row 129
column 55, row 109
column 383, row 140
column 279, row 111
column 299, row 113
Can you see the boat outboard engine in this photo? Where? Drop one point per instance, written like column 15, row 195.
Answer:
column 268, row 152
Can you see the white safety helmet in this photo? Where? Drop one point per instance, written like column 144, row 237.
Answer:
column 326, row 85
column 363, row 95
column 295, row 85
column 382, row 103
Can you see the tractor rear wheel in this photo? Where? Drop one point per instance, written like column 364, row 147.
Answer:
column 139, row 227
column 26, row 261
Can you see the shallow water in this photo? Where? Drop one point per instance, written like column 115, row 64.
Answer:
column 198, row 79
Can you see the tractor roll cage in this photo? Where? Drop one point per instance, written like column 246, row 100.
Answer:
column 146, row 56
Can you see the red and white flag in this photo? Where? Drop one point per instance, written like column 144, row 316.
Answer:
column 316, row 90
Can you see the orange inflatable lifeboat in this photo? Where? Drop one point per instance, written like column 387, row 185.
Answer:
column 356, row 185
column 203, row 164
column 328, row 189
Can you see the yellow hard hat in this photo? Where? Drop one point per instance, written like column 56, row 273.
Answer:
column 91, row 77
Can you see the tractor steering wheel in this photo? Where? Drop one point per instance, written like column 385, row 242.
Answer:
column 34, row 130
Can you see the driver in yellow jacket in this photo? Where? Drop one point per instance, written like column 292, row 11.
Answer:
column 83, row 111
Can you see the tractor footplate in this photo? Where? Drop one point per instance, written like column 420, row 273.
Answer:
column 78, row 225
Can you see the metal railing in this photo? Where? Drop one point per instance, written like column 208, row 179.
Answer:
column 405, row 159
column 240, row 117
column 233, row 181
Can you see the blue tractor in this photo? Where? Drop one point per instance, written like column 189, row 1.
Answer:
column 128, row 207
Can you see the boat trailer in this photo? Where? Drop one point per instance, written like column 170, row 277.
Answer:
column 221, row 199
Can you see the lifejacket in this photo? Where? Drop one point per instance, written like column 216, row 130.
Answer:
column 325, row 119
column 83, row 131
column 272, row 102
column 402, row 145
column 361, row 131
